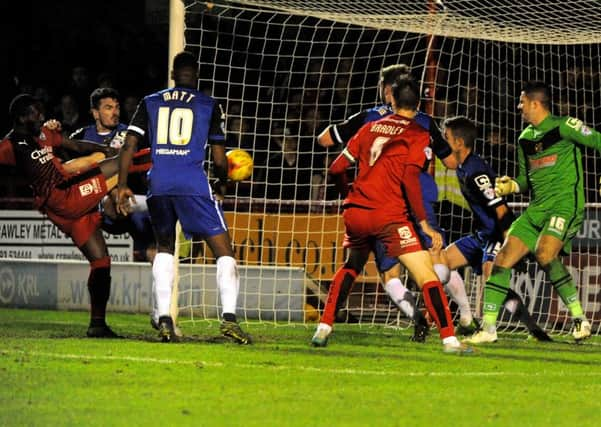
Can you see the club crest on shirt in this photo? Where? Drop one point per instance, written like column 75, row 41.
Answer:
column 574, row 123
column 91, row 187
column 585, row 130
column 484, row 184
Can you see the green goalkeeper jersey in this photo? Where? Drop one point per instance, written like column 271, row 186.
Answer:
column 550, row 161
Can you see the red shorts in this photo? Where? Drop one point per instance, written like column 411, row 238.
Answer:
column 79, row 229
column 396, row 231
column 74, row 207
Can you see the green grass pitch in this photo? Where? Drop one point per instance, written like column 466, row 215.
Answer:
column 51, row 375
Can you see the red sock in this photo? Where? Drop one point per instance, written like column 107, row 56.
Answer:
column 438, row 306
column 99, row 287
column 344, row 276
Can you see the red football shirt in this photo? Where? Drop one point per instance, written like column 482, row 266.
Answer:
column 35, row 159
column 383, row 150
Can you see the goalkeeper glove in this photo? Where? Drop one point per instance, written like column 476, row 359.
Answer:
column 505, row 185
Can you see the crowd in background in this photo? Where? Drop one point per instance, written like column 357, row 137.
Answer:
column 288, row 163
column 275, row 104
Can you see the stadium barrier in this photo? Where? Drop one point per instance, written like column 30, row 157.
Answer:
column 62, row 285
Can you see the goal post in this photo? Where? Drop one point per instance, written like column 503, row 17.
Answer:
column 283, row 70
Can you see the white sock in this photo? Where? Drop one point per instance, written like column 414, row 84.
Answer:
column 396, row 291
column 451, row 340
column 442, row 271
column 163, row 272
column 324, row 327
column 228, row 282
column 456, row 288
column 511, row 305
column 154, row 314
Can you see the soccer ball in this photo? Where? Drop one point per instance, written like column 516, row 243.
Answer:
column 240, row 164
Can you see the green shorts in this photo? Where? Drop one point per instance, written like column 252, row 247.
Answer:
column 560, row 222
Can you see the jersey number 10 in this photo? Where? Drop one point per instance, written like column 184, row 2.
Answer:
column 174, row 126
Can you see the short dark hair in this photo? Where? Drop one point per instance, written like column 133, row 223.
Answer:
column 184, row 59
column 389, row 74
column 19, row 105
column 405, row 92
column 539, row 91
column 101, row 93
column 463, row 128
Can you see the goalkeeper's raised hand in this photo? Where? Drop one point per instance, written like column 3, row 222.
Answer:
column 505, row 185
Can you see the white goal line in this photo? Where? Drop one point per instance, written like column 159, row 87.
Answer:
column 322, row 370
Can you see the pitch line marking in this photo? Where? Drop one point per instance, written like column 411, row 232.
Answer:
column 347, row 371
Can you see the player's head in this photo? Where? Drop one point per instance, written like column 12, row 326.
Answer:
column 535, row 101
column 405, row 92
column 460, row 132
column 185, row 70
column 105, row 108
column 387, row 78
column 26, row 113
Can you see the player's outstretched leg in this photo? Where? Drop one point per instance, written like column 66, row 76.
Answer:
column 495, row 291
column 404, row 300
column 455, row 287
column 99, row 287
column 438, row 307
column 513, row 302
column 562, row 281
column 339, row 288
column 228, row 282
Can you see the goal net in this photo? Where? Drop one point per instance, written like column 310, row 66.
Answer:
column 284, row 70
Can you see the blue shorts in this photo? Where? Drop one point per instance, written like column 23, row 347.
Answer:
column 141, row 230
column 476, row 251
column 383, row 261
column 199, row 216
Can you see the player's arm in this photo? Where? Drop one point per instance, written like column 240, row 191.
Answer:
column 413, row 192
column 506, row 185
column 77, row 134
column 575, row 130
column 522, row 178
column 441, row 147
column 325, row 137
column 82, row 147
column 347, row 158
column 217, row 142
column 341, row 133
column 7, row 155
column 124, row 194
column 481, row 185
column 337, row 170
column 505, row 217
column 135, row 133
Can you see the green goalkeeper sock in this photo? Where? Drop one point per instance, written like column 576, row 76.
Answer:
column 495, row 291
column 562, row 281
